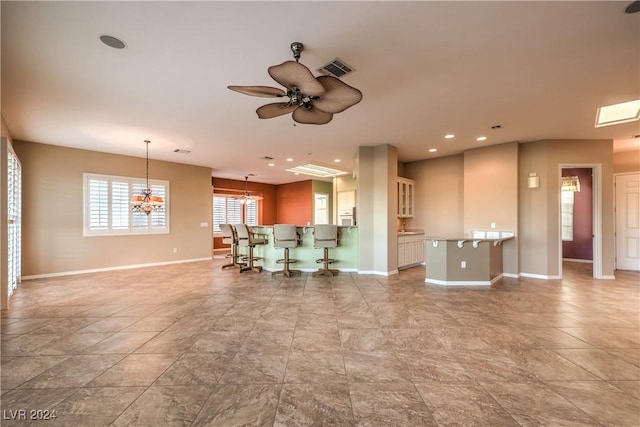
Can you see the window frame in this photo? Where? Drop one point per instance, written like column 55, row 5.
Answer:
column 130, row 230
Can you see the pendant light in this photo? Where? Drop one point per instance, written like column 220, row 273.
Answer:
column 146, row 202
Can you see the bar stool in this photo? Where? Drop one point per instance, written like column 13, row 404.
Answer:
column 230, row 237
column 248, row 238
column 285, row 236
column 325, row 236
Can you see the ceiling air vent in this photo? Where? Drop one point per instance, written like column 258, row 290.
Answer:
column 336, row 68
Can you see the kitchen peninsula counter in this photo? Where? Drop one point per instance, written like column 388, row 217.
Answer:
column 463, row 260
column 346, row 253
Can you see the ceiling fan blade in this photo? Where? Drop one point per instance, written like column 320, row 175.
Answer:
column 292, row 74
column 338, row 96
column 261, row 91
column 311, row 116
column 276, row 109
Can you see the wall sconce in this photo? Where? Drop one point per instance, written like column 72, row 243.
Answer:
column 534, row 180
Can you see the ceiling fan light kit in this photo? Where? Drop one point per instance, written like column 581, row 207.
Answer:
column 312, row 100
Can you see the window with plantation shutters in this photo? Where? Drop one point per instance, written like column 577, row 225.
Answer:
column 230, row 210
column 107, row 208
column 14, row 219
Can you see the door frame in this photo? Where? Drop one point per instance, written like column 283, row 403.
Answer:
column 596, row 206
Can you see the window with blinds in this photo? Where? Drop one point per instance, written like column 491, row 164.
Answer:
column 229, row 210
column 107, row 210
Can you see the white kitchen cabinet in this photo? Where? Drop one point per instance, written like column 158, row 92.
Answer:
column 405, row 197
column 410, row 250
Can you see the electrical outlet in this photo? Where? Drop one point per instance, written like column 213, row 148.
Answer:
column 463, row 264
column 204, row 224
column 493, row 225
column 175, row 250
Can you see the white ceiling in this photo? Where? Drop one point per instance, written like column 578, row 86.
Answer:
column 539, row 69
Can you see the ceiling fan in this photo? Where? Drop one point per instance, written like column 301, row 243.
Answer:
column 312, row 100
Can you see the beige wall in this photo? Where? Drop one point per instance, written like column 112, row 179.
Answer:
column 52, row 237
column 626, row 161
column 539, row 218
column 491, row 195
column 455, row 194
column 438, row 194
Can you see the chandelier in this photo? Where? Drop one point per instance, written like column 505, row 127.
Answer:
column 146, row 202
column 246, row 197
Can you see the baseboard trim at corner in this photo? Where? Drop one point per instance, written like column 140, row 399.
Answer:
column 511, row 275
column 378, row 273
column 101, row 270
column 539, row 276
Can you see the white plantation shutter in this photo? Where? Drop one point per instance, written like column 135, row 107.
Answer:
column 108, row 209
column 219, row 212
column 252, row 212
column 234, row 211
column 120, row 205
column 99, row 204
column 229, row 210
column 14, row 218
column 158, row 218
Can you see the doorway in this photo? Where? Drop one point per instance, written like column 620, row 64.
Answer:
column 320, row 208
column 580, row 217
column 627, row 203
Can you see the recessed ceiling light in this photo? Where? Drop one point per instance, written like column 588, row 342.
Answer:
column 481, row 138
column 272, row 164
column 113, row 42
column 337, row 160
column 449, row 136
column 618, row 113
column 433, row 150
column 289, row 159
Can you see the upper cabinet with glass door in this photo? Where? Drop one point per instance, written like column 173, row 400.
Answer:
column 405, row 197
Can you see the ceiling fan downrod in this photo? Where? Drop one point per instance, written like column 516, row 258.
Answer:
column 297, row 48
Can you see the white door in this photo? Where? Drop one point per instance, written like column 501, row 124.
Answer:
column 628, row 221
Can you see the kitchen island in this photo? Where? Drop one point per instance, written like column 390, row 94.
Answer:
column 346, row 253
column 463, row 260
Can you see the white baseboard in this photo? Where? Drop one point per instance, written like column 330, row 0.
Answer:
column 511, row 275
column 100, row 270
column 378, row 273
column 539, row 276
column 608, row 277
column 458, row 282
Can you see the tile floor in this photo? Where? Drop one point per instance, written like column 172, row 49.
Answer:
column 194, row 345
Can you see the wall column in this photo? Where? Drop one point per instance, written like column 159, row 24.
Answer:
column 376, row 170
